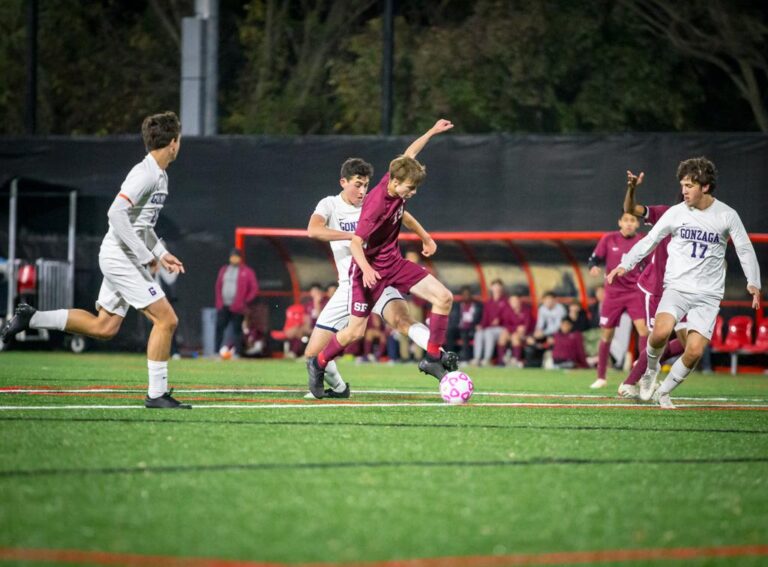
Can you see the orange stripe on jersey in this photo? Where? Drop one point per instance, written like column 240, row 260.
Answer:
column 124, row 196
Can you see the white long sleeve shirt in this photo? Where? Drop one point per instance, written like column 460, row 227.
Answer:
column 697, row 250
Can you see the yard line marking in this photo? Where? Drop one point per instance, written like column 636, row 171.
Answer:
column 325, row 405
column 85, row 557
column 213, row 390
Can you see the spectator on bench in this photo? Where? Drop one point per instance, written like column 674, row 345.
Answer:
column 489, row 330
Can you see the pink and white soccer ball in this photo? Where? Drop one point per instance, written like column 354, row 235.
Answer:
column 456, row 387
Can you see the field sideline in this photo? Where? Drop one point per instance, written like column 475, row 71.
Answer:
column 537, row 470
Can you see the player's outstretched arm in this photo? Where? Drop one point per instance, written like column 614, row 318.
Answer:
column 630, row 204
column 121, row 223
column 429, row 246
column 747, row 257
column 319, row 230
column 418, row 144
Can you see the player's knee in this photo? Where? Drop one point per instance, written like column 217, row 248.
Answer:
column 107, row 329
column 693, row 354
column 444, row 299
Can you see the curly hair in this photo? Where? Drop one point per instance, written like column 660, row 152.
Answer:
column 700, row 170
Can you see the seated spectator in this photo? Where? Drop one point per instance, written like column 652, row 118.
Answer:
column 489, row 330
column 568, row 347
column 255, row 327
column 315, row 302
column 374, row 332
column 517, row 320
column 550, row 314
column 465, row 316
column 577, row 316
column 297, row 328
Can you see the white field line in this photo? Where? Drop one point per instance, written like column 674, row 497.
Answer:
column 377, row 392
column 382, row 405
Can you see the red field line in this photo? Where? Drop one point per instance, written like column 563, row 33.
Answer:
column 558, row 558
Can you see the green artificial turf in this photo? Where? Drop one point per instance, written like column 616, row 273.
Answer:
column 304, row 483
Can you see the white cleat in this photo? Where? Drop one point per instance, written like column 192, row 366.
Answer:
column 664, row 401
column 599, row 383
column 646, row 383
column 629, row 392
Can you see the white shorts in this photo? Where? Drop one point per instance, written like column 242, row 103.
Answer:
column 125, row 285
column 701, row 310
column 335, row 314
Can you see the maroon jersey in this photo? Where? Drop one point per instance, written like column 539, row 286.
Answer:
column 569, row 347
column 468, row 310
column 379, row 226
column 652, row 279
column 493, row 310
column 612, row 248
column 512, row 319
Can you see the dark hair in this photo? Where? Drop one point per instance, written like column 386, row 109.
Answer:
column 548, row 294
column 159, row 130
column 498, row 281
column 356, row 166
column 700, row 170
column 315, row 284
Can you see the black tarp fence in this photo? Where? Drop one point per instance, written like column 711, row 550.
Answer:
column 474, row 183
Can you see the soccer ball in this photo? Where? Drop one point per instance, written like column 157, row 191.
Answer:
column 456, row 387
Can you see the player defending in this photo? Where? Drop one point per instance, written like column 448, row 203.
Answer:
column 694, row 280
column 651, row 283
column 377, row 264
column 621, row 295
column 130, row 254
column 334, row 220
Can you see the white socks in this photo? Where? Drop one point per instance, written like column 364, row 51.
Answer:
column 419, row 334
column 653, row 356
column 675, row 377
column 158, row 378
column 54, row 320
column 333, row 377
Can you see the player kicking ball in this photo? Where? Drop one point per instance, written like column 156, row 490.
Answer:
column 334, row 220
column 130, row 254
column 377, row 265
column 694, row 279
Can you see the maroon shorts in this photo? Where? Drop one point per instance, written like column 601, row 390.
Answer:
column 402, row 275
column 633, row 302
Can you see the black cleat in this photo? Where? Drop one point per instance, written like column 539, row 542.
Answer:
column 433, row 367
column 316, row 375
column 450, row 360
column 166, row 401
column 331, row 393
column 18, row 323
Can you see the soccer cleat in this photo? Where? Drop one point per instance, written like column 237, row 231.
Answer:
column 19, row 322
column 629, row 391
column 166, row 401
column 331, row 393
column 433, row 367
column 647, row 381
column 316, row 375
column 664, row 401
column 599, row 383
column 450, row 360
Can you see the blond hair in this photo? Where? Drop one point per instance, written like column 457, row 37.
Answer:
column 406, row 168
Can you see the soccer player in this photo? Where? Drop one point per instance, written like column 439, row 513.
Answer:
column 130, row 254
column 334, row 220
column 694, row 280
column 378, row 264
column 621, row 295
column 651, row 283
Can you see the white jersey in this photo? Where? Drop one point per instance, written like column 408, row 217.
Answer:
column 145, row 189
column 697, row 249
column 340, row 215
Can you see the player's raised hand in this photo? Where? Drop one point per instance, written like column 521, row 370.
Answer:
column 617, row 272
column 172, row 263
column 634, row 180
column 441, row 125
column 428, row 247
column 755, row 293
column 370, row 277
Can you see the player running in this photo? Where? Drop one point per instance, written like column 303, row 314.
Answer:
column 334, row 220
column 377, row 265
column 694, row 279
column 130, row 254
column 651, row 283
column 620, row 295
